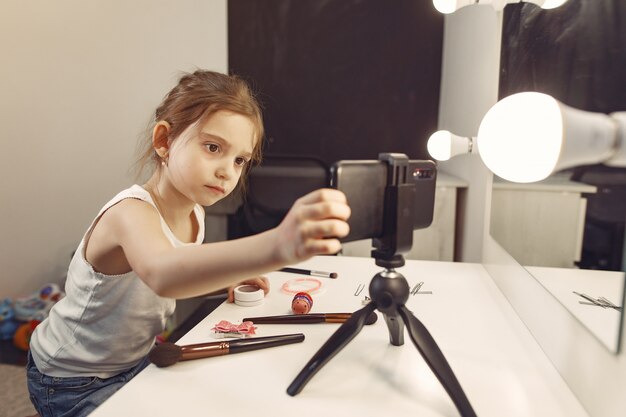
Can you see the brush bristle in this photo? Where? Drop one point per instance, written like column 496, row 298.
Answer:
column 165, row 354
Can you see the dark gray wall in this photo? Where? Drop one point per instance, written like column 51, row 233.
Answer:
column 341, row 79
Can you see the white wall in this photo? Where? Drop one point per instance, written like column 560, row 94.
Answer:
column 469, row 87
column 79, row 81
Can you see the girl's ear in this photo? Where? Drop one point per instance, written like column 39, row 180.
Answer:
column 160, row 138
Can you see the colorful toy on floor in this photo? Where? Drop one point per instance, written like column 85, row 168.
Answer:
column 21, row 339
column 8, row 323
column 37, row 305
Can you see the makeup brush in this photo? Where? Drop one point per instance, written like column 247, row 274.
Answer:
column 310, row 272
column 309, row 318
column 167, row 354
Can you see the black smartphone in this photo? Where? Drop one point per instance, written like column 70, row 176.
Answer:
column 364, row 184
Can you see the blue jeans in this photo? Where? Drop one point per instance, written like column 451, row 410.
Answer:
column 75, row 396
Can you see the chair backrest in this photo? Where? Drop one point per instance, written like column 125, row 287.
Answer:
column 605, row 219
column 608, row 203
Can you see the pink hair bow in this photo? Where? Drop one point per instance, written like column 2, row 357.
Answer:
column 245, row 328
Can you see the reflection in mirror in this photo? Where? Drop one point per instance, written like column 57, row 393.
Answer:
column 568, row 230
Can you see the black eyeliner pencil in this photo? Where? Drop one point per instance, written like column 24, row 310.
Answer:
column 311, row 272
column 166, row 354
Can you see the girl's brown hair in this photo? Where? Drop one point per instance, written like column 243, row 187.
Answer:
column 197, row 96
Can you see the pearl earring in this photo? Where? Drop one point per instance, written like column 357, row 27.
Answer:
column 164, row 159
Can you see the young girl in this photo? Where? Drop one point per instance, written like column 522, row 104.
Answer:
column 144, row 249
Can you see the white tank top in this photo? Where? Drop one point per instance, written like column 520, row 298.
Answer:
column 106, row 323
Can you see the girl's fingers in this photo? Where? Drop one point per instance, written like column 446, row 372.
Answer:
column 313, row 225
column 324, row 210
column 322, row 247
column 260, row 282
column 325, row 229
column 323, row 194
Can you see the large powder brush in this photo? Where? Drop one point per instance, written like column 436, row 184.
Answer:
column 167, row 354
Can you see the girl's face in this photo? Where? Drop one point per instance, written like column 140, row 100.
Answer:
column 207, row 159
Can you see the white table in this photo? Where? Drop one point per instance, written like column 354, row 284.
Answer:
column 501, row 368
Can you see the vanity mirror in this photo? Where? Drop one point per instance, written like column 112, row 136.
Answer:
column 568, row 230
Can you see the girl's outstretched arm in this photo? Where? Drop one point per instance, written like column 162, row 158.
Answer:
column 311, row 227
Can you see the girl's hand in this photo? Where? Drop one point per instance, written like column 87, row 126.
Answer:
column 313, row 225
column 260, row 282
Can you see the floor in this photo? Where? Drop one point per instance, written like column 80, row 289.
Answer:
column 14, row 401
column 11, row 355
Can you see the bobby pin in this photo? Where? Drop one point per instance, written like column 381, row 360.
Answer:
column 590, row 299
column 609, row 303
column 605, row 303
column 416, row 287
column 600, row 302
column 359, row 289
column 589, row 303
column 618, row 308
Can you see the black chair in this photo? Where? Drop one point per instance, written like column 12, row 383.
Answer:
column 603, row 240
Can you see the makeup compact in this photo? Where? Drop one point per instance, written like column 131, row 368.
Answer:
column 248, row 295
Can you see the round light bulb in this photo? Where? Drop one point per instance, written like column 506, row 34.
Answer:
column 445, row 6
column 439, row 145
column 520, row 137
column 443, row 145
column 527, row 136
column 450, row 6
column 552, row 4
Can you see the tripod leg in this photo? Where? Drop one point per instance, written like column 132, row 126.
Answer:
column 333, row 345
column 396, row 329
column 436, row 361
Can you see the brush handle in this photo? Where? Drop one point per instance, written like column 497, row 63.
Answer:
column 310, row 272
column 337, row 317
column 207, row 350
column 245, row 345
column 309, row 318
column 301, row 318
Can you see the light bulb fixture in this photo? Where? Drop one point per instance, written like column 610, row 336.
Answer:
column 527, row 136
column 450, row 6
column 443, row 145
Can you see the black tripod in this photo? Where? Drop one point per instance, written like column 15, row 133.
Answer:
column 389, row 292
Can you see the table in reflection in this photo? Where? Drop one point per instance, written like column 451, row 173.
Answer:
column 604, row 323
